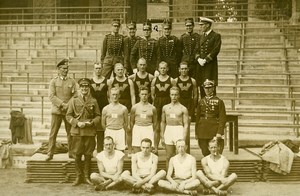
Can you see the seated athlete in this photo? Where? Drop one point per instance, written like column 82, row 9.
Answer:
column 143, row 167
column 110, row 165
column 215, row 168
column 183, row 165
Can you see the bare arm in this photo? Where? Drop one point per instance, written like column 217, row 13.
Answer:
column 163, row 124
column 153, row 89
column 185, row 119
column 154, row 119
column 132, row 117
column 132, row 92
column 103, row 118
column 125, row 118
column 208, row 171
column 195, row 92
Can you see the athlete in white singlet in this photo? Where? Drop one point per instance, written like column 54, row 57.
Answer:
column 183, row 165
column 215, row 167
column 143, row 166
column 115, row 119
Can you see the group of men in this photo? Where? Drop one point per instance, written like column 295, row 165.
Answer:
column 153, row 105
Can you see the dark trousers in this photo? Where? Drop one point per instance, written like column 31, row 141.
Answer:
column 203, row 144
column 56, row 121
column 100, row 138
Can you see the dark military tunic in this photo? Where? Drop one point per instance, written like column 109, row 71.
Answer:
column 211, row 117
column 162, row 94
column 138, row 83
column 146, row 48
column 209, row 49
column 169, row 51
column 186, row 94
column 210, row 120
column 83, row 111
column 112, row 53
column 189, row 44
column 124, row 87
column 128, row 45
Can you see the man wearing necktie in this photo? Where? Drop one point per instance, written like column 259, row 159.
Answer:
column 61, row 89
column 210, row 119
column 206, row 55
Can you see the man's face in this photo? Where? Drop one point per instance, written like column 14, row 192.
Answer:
column 167, row 31
column 146, row 148
column 97, row 69
column 181, row 147
column 189, row 28
column 114, row 96
column 147, row 32
column 209, row 91
column 84, row 89
column 119, row 70
column 108, row 145
column 142, row 65
column 132, row 32
column 163, row 69
column 174, row 95
column 63, row 70
column 213, row 148
column 144, row 94
column 204, row 27
column 183, row 70
column 115, row 28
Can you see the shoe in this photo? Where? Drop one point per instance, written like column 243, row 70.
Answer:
column 49, row 157
column 193, row 192
column 77, row 182
column 222, row 193
column 99, row 187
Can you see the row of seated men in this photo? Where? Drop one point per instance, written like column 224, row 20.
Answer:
column 83, row 118
column 181, row 175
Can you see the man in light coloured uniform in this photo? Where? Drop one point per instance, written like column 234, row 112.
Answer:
column 174, row 123
column 143, row 120
column 110, row 165
column 183, row 165
column 143, row 167
column 215, row 166
column 115, row 119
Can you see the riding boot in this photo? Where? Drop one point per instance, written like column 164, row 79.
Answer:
column 78, row 170
column 87, row 165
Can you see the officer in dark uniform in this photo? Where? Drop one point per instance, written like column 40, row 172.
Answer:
column 210, row 119
column 99, row 91
column 189, row 42
column 84, row 116
column 210, row 45
column 169, row 49
column 128, row 45
column 112, row 49
column 145, row 47
column 61, row 90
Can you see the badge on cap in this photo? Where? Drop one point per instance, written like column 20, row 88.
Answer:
column 84, row 81
column 189, row 21
column 131, row 25
column 208, row 83
column 204, row 20
column 63, row 62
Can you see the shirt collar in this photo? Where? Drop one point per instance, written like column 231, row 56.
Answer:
column 207, row 32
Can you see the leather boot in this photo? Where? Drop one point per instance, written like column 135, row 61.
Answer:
column 78, row 170
column 87, row 165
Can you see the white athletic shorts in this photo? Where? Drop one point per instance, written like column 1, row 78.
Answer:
column 141, row 132
column 172, row 134
column 118, row 136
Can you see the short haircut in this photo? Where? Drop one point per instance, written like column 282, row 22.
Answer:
column 142, row 59
column 115, row 89
column 147, row 140
column 143, row 88
column 181, row 140
column 163, row 63
column 184, row 63
column 174, row 88
column 214, row 140
column 118, row 64
column 108, row 138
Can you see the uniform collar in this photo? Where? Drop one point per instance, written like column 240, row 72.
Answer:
column 207, row 32
column 63, row 78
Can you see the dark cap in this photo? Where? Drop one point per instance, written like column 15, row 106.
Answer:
column 147, row 26
column 189, row 21
column 131, row 25
column 167, row 24
column 204, row 20
column 208, row 83
column 84, row 81
column 63, row 62
column 116, row 21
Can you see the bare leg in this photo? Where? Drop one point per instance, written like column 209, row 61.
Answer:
column 170, row 152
